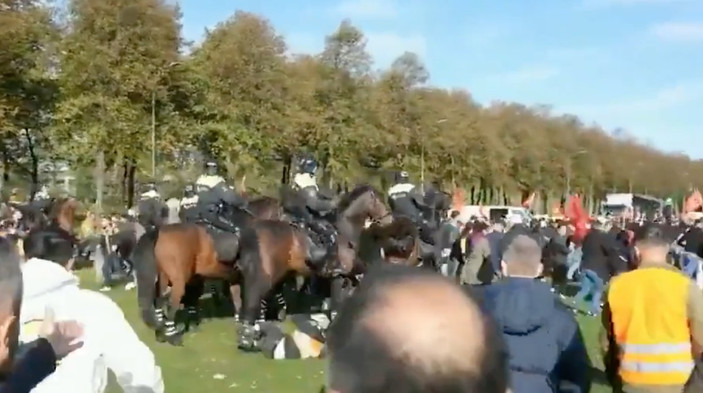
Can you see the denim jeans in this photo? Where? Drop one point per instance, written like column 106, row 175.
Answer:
column 591, row 284
column 573, row 260
column 689, row 263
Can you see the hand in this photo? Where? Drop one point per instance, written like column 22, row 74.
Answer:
column 63, row 336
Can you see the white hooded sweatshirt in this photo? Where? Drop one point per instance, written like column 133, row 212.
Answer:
column 109, row 342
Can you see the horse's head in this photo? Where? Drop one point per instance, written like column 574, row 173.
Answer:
column 63, row 213
column 344, row 262
column 364, row 203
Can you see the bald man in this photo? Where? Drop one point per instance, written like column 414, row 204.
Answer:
column 411, row 330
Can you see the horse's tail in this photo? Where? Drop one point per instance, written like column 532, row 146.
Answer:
column 146, row 273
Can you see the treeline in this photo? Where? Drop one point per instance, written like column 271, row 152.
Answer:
column 88, row 84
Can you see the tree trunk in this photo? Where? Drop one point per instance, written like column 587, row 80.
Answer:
column 34, row 172
column 130, row 183
column 99, row 183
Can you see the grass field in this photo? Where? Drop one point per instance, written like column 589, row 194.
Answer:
column 210, row 362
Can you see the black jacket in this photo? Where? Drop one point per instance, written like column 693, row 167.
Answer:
column 692, row 241
column 35, row 363
column 600, row 254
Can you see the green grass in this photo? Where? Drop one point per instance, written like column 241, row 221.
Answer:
column 213, row 351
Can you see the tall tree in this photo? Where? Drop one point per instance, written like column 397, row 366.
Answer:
column 117, row 58
column 27, row 87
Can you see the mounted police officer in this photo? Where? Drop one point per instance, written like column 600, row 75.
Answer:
column 210, row 179
column 151, row 209
column 216, row 198
column 316, row 206
column 42, row 200
column 405, row 200
column 188, row 204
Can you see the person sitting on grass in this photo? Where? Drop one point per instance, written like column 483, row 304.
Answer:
column 20, row 374
column 110, row 342
column 546, row 347
column 411, row 330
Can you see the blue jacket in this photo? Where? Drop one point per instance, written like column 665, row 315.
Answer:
column 544, row 341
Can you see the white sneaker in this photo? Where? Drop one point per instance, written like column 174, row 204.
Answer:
column 130, row 286
column 105, row 289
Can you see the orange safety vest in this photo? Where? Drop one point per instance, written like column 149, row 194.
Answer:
column 650, row 325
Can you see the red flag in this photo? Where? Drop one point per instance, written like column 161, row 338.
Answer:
column 458, row 197
column 578, row 217
column 527, row 203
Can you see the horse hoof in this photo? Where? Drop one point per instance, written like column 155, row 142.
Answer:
column 246, row 344
column 194, row 327
column 175, row 340
column 160, row 337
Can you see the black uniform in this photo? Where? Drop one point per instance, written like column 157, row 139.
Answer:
column 214, row 201
column 151, row 212
column 406, row 201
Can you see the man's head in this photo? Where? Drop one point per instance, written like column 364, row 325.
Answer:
column 523, row 258
column 409, row 330
column 562, row 228
column 10, row 303
column 53, row 245
column 498, row 226
column 651, row 244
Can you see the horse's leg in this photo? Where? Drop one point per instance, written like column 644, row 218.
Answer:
column 236, row 293
column 193, row 291
column 256, row 287
column 171, row 332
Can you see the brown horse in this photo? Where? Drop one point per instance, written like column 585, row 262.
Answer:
column 182, row 255
column 266, row 208
column 270, row 251
column 397, row 242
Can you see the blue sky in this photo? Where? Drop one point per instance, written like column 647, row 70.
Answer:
column 635, row 64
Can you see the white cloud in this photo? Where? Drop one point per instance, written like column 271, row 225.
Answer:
column 526, row 75
column 366, row 9
column 679, row 31
column 666, row 98
column 384, row 47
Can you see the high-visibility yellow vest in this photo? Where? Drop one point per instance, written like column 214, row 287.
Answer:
column 650, row 326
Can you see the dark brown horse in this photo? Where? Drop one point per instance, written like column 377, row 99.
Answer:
column 266, row 208
column 271, row 251
column 397, row 242
column 61, row 212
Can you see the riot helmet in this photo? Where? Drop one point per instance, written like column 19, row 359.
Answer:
column 308, row 165
column 211, row 168
column 402, row 177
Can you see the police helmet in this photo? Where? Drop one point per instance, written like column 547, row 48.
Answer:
column 150, row 186
column 211, row 167
column 308, row 165
column 402, row 177
column 189, row 189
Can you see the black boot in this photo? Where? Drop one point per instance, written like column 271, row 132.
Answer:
column 192, row 318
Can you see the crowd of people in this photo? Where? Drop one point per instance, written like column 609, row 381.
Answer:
column 498, row 317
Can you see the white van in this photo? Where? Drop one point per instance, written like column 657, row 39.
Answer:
column 495, row 212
